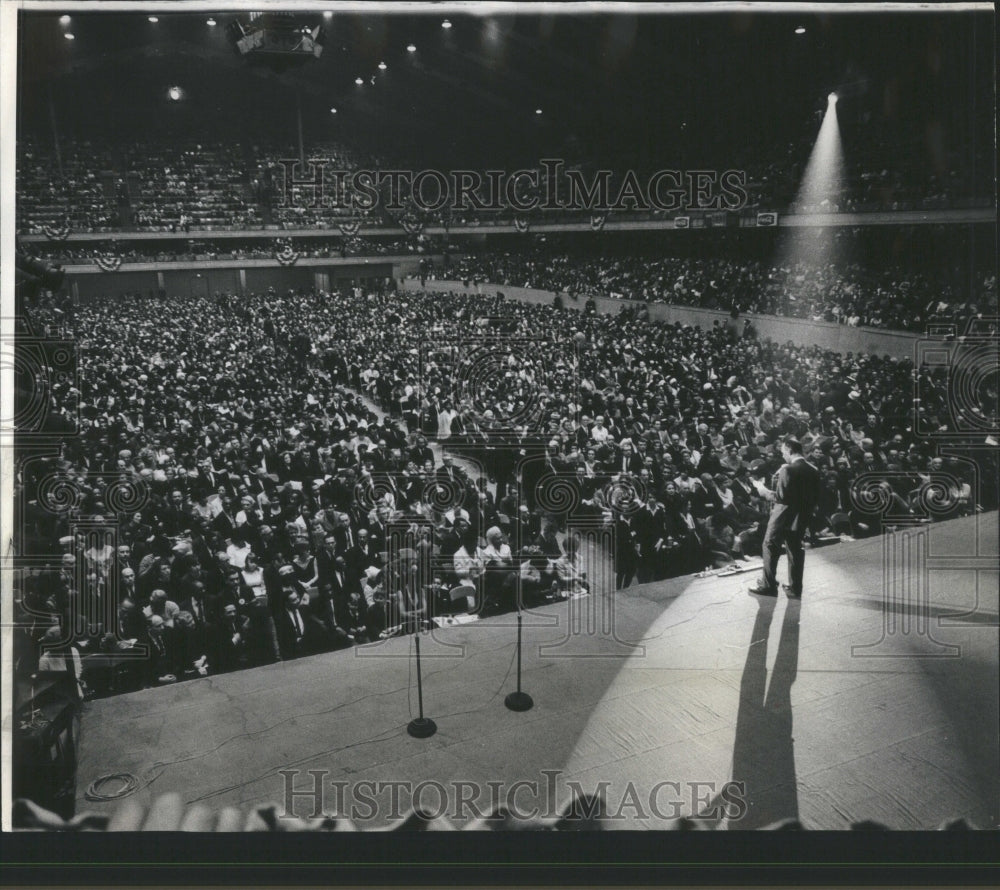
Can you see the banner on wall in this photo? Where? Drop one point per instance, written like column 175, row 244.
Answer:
column 286, row 254
column 57, row 233
column 108, row 261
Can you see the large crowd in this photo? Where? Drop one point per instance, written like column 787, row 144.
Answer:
column 848, row 287
column 848, row 293
column 297, row 472
column 191, row 185
column 78, row 197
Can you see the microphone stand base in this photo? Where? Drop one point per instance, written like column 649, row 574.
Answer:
column 421, row 727
column 519, row 701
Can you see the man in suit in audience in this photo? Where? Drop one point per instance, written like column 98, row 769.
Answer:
column 300, row 632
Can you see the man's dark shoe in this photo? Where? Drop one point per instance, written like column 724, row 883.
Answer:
column 760, row 590
column 791, row 592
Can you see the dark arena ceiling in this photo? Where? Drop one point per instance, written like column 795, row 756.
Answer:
column 647, row 89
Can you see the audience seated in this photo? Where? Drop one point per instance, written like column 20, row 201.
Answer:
column 276, row 511
column 847, row 293
column 92, row 186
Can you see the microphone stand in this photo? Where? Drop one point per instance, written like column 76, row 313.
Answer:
column 518, row 701
column 420, row 727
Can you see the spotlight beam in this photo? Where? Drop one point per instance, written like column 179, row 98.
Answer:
column 823, row 176
column 819, row 192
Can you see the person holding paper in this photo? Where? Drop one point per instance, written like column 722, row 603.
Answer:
column 796, row 493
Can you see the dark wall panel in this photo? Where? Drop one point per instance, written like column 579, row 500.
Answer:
column 190, row 282
column 280, row 279
column 113, row 284
column 186, row 283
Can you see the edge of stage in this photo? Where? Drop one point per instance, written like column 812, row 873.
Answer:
column 874, row 697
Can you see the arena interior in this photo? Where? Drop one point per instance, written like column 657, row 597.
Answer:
column 316, row 475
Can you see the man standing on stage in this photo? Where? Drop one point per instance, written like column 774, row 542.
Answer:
column 796, row 493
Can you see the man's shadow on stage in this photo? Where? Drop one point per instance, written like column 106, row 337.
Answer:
column 764, row 750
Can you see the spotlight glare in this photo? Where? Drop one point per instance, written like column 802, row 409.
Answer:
column 359, row 81
column 382, row 66
column 69, row 36
column 328, row 14
column 446, row 24
column 210, row 23
column 411, row 48
column 174, row 93
column 538, row 111
column 832, row 98
column 800, row 30
column 64, row 20
column 333, row 111
column 153, row 19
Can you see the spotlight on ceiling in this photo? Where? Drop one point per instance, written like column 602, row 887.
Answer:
column 64, row 20
column 359, row 81
column 328, row 14
column 382, row 66
column 153, row 19
column 69, row 36
column 411, row 48
column 800, row 30
column 538, row 111
column 210, row 23
column 333, row 111
column 446, row 24
column 175, row 94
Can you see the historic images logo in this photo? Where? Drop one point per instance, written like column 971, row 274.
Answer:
column 553, row 185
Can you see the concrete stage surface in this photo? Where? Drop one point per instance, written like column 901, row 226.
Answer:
column 874, row 697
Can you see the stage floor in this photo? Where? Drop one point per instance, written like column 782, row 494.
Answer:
column 875, row 697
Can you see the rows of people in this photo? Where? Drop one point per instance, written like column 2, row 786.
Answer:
column 848, row 293
column 210, row 185
column 77, row 196
column 188, row 186
column 829, row 290
column 266, row 509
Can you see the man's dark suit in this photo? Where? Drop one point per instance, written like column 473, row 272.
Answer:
column 796, row 494
column 305, row 637
column 342, row 585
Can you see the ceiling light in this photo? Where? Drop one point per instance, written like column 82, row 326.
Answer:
column 538, row 111
column 800, row 30
column 328, row 14
column 64, row 20
column 69, row 36
column 411, row 48
column 382, row 66
column 446, row 24
column 333, row 111
column 210, row 23
column 153, row 19
column 174, row 93
column 359, row 81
